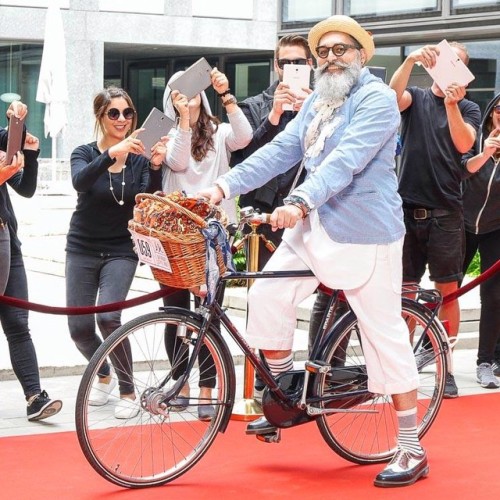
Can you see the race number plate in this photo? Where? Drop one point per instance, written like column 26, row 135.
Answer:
column 150, row 251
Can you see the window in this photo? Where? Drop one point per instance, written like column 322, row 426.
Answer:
column 474, row 3
column 19, row 72
column 381, row 8
column 146, row 85
column 300, row 10
column 467, row 6
column 250, row 78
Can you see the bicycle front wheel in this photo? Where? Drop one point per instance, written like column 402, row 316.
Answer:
column 157, row 438
column 367, row 432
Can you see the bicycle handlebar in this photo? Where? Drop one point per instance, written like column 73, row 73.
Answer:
column 248, row 215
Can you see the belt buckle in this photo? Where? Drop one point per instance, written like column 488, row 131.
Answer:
column 420, row 213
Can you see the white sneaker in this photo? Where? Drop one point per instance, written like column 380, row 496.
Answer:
column 127, row 408
column 99, row 395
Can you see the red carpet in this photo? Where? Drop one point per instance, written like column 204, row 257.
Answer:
column 462, row 446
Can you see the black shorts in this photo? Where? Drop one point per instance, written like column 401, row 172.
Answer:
column 438, row 242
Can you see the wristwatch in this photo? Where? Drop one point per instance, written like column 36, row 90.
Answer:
column 298, row 202
column 231, row 100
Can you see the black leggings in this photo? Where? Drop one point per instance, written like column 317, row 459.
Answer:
column 177, row 353
column 489, row 324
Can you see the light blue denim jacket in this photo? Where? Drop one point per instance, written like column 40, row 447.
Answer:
column 352, row 182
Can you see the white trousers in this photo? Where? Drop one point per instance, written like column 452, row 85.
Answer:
column 371, row 277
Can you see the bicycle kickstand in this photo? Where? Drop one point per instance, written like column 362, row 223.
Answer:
column 271, row 437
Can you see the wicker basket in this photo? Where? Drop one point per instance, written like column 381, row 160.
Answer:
column 185, row 251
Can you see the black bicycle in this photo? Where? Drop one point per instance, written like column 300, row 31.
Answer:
column 162, row 441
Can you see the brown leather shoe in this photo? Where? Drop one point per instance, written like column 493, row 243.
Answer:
column 404, row 469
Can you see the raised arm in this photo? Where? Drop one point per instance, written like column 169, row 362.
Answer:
column 463, row 134
column 426, row 56
column 490, row 148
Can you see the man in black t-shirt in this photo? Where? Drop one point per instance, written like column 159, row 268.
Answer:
column 438, row 126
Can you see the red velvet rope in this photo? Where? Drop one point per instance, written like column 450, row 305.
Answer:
column 75, row 311
column 464, row 289
column 163, row 292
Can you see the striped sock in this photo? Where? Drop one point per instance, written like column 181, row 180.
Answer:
column 281, row 365
column 408, row 435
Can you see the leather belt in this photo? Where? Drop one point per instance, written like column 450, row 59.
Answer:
column 426, row 213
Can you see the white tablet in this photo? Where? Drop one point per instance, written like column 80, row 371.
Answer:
column 297, row 77
column 156, row 125
column 449, row 68
column 194, row 80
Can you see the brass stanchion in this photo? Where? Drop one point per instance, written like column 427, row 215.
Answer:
column 248, row 408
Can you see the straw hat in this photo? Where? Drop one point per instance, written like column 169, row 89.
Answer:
column 344, row 24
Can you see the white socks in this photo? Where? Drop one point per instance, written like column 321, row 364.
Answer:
column 278, row 366
column 408, row 436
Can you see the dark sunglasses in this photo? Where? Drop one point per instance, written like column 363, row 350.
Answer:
column 282, row 62
column 114, row 114
column 496, row 109
column 339, row 49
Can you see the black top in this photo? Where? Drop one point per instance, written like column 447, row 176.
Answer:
column 482, row 189
column 23, row 183
column 98, row 225
column 257, row 109
column 431, row 170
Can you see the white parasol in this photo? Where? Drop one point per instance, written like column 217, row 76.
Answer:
column 52, row 82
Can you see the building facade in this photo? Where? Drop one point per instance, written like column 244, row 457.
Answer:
column 138, row 47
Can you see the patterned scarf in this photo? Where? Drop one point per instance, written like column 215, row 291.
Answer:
column 215, row 236
column 322, row 126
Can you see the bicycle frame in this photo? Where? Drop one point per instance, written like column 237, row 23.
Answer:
column 215, row 311
column 331, row 390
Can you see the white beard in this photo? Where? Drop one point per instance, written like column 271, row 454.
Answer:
column 334, row 87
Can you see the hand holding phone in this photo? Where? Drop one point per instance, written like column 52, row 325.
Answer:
column 14, row 138
column 155, row 126
column 194, row 80
column 297, row 77
column 448, row 68
column 7, row 170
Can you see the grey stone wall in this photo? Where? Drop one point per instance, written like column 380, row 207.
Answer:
column 87, row 30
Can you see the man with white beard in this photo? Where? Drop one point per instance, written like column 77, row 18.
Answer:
column 344, row 222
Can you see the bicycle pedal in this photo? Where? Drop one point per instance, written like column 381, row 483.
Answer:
column 317, row 367
column 272, row 437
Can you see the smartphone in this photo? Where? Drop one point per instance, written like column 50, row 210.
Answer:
column 194, row 80
column 14, row 138
column 156, row 125
column 297, row 77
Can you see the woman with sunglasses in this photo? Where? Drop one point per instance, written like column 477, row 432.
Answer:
column 100, row 260
column 198, row 152
column 482, row 229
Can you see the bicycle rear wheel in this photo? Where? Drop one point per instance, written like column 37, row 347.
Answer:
column 368, row 433
column 160, row 441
